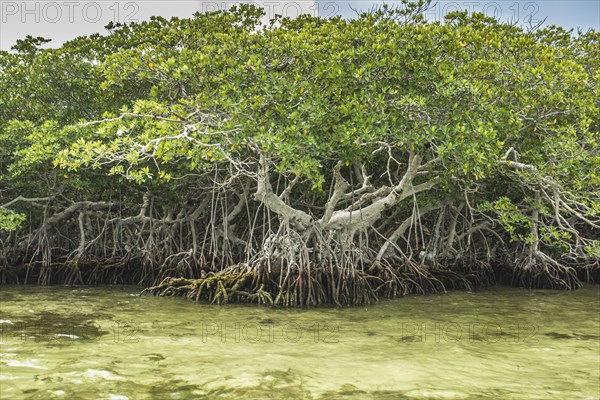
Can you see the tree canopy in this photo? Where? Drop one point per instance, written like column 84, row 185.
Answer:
column 303, row 161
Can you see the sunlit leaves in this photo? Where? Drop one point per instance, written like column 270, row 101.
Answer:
column 10, row 221
column 158, row 100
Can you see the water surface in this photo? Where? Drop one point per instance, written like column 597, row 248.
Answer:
column 110, row 343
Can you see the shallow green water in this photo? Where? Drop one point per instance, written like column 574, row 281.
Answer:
column 109, row 343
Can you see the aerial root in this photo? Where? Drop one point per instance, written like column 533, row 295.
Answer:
column 407, row 277
column 296, row 287
column 540, row 271
column 8, row 275
column 465, row 274
column 237, row 284
column 587, row 269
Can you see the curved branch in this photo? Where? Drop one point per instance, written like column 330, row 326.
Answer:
column 366, row 216
column 264, row 193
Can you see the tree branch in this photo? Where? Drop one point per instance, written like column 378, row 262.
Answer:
column 264, row 193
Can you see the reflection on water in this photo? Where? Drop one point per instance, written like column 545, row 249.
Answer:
column 109, row 343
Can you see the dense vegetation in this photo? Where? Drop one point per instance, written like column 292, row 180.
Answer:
column 309, row 161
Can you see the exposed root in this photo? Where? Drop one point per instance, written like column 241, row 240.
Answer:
column 406, row 277
column 538, row 270
column 222, row 249
column 242, row 283
column 236, row 284
column 9, row 275
column 314, row 286
column 73, row 273
column 587, row 270
column 465, row 275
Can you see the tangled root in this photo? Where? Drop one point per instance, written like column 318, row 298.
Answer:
column 588, row 270
column 309, row 286
column 539, row 271
column 465, row 274
column 8, row 275
column 406, row 277
column 237, row 283
column 297, row 287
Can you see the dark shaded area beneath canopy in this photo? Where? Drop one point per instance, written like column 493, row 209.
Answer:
column 243, row 283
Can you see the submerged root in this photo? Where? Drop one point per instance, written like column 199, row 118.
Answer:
column 237, row 284
column 310, row 286
column 465, row 274
column 242, row 283
column 9, row 275
column 182, row 264
column 406, row 277
column 592, row 272
column 539, row 271
column 340, row 287
column 588, row 270
column 73, row 273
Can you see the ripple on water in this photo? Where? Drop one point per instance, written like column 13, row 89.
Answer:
column 498, row 344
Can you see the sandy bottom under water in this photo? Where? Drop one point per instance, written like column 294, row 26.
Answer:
column 110, row 343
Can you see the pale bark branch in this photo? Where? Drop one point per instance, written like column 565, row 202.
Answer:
column 366, row 216
column 264, row 193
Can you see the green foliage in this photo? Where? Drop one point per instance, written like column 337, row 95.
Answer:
column 10, row 221
column 156, row 101
column 511, row 218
